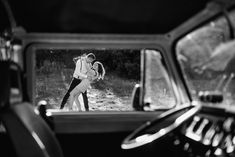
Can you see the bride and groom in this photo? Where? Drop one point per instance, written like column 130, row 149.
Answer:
column 84, row 74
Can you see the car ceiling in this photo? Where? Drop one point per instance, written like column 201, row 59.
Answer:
column 103, row 16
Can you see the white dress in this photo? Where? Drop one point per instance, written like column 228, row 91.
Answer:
column 85, row 83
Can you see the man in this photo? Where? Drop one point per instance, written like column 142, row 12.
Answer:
column 82, row 66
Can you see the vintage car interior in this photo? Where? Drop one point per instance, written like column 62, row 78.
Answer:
column 179, row 106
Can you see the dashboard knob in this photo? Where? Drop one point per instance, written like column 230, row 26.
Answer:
column 217, row 139
column 209, row 135
column 228, row 125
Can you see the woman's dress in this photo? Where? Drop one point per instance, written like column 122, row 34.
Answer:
column 85, row 83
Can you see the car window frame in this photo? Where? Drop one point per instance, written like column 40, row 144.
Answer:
column 76, row 44
column 73, row 120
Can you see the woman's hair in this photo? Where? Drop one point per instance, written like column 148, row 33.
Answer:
column 91, row 55
column 101, row 70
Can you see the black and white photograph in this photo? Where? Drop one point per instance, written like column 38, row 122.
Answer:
column 87, row 79
column 117, row 78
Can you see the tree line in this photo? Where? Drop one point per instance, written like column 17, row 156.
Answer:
column 122, row 62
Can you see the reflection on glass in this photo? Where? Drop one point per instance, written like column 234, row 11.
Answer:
column 55, row 69
column 232, row 19
column 207, row 60
column 157, row 90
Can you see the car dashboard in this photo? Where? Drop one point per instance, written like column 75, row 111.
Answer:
column 208, row 133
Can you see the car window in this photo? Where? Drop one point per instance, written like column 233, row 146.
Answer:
column 205, row 68
column 158, row 88
column 55, row 74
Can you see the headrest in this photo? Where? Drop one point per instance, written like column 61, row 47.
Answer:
column 10, row 83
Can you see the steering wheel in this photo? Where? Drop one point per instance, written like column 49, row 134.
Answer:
column 160, row 126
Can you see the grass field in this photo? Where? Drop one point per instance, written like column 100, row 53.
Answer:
column 111, row 94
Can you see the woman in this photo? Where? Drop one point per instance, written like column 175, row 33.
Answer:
column 96, row 73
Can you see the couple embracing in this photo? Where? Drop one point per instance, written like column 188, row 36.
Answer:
column 84, row 74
